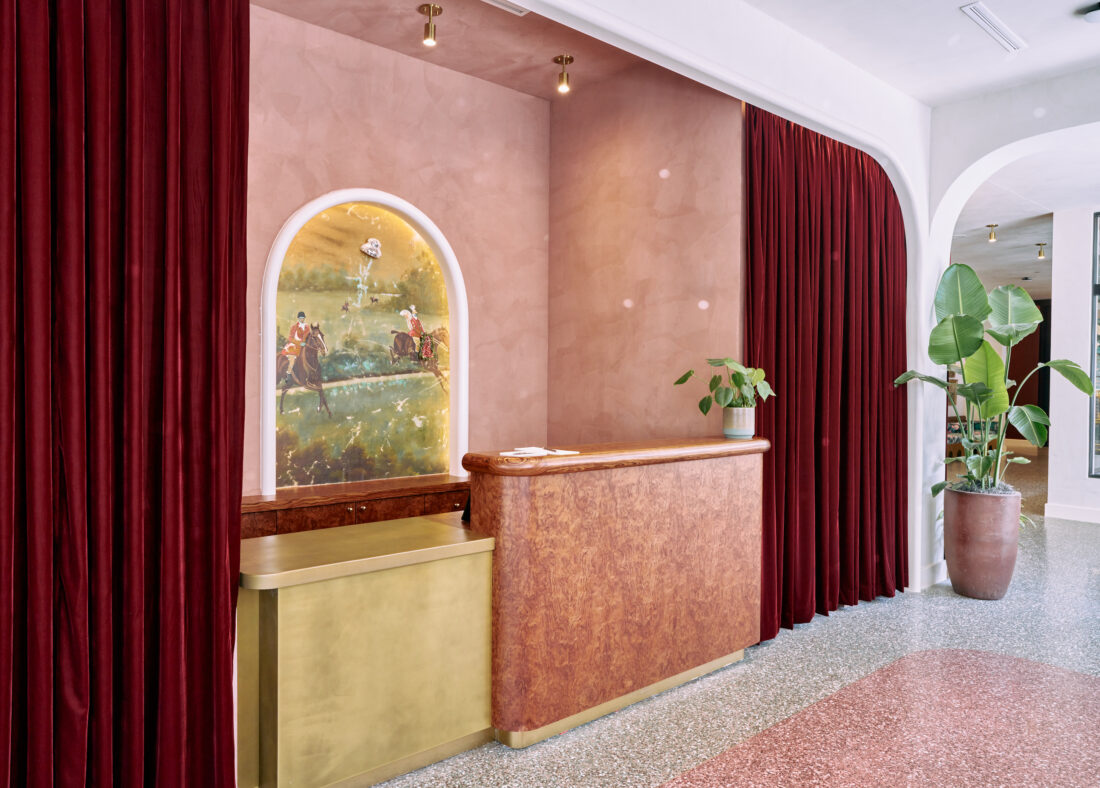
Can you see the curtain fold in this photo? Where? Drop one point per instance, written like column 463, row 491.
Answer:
column 825, row 317
column 123, row 148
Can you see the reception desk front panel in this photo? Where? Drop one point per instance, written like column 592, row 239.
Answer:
column 617, row 573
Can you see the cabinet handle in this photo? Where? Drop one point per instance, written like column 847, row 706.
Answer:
column 363, row 507
column 351, row 509
column 458, row 506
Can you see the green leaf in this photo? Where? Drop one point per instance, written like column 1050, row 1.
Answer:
column 704, row 404
column 986, row 367
column 1071, row 372
column 723, row 396
column 756, row 376
column 937, row 488
column 720, row 362
column 1020, row 461
column 685, row 377
column 1013, row 315
column 715, row 382
column 949, row 460
column 954, row 338
column 912, row 374
column 764, row 389
column 1031, row 421
column 979, row 466
column 961, row 292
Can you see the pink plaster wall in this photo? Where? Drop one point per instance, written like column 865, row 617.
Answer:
column 645, row 225
column 327, row 112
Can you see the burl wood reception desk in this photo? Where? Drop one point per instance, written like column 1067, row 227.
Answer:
column 618, row 572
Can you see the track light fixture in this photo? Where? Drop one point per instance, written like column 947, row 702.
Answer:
column 1042, row 251
column 992, row 232
column 430, row 10
column 563, row 77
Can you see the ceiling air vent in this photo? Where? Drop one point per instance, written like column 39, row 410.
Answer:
column 511, row 8
column 994, row 27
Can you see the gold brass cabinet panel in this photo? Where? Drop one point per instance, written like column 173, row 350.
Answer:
column 292, row 559
column 362, row 671
column 248, row 688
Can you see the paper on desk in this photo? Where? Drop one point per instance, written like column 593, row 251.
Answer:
column 535, row 451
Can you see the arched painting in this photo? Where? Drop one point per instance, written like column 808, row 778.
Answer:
column 362, row 351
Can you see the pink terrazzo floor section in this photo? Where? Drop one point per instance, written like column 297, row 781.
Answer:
column 961, row 718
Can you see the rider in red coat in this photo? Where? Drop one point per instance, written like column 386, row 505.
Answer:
column 295, row 339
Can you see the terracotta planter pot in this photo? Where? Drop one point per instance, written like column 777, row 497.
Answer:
column 739, row 423
column 980, row 536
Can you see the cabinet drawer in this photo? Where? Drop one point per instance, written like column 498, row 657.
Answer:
column 438, row 503
column 310, row 518
column 256, row 524
column 388, row 509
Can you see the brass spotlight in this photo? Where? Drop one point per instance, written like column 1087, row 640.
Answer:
column 1042, row 251
column 430, row 10
column 563, row 77
column 992, row 232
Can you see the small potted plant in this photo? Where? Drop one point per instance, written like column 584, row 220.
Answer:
column 737, row 396
column 981, row 511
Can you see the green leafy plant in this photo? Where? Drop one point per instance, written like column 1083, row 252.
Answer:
column 966, row 315
column 743, row 386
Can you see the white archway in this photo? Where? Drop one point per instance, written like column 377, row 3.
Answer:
column 931, row 428
column 456, row 299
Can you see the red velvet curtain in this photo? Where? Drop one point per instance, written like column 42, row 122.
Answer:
column 825, row 317
column 123, row 141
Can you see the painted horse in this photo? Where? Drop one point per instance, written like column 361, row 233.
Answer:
column 307, row 372
column 404, row 346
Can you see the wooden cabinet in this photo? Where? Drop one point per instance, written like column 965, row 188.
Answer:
column 258, row 524
column 373, row 511
column 330, row 506
column 310, row 518
column 441, row 503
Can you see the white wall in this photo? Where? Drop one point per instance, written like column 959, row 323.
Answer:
column 1071, row 494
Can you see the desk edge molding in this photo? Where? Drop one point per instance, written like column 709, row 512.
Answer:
column 591, row 458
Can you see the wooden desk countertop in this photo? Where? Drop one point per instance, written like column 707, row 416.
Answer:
column 599, row 456
column 284, row 560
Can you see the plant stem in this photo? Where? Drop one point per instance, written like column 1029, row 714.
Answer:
column 1019, row 388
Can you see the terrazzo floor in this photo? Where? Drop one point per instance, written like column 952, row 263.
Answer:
column 1050, row 616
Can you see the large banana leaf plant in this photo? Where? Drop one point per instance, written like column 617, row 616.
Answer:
column 966, row 315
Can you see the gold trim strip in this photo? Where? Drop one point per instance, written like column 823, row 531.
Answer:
column 415, row 761
column 520, row 739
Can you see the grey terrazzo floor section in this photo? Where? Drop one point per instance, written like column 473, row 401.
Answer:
column 1051, row 614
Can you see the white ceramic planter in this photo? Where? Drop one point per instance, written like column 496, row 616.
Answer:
column 739, row 423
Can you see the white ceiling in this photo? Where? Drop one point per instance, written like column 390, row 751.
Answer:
column 1020, row 198
column 935, row 53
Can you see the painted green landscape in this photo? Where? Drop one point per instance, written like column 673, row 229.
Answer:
column 387, row 406
column 381, row 428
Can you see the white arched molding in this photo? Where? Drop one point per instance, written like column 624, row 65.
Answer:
column 456, row 302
